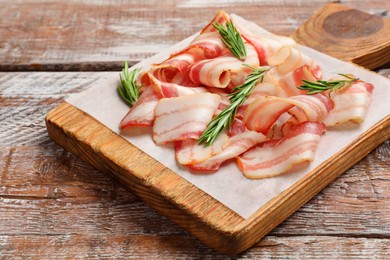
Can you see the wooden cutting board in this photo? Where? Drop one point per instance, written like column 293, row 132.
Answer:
column 332, row 30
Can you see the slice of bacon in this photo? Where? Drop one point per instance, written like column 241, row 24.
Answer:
column 221, row 17
column 142, row 113
column 264, row 111
column 350, row 104
column 189, row 151
column 264, row 89
column 175, row 68
column 224, row 70
column 289, row 58
column 261, row 90
column 208, row 44
column 265, row 45
column 236, row 145
column 184, row 117
column 275, row 157
column 168, row 90
column 292, row 80
column 237, row 127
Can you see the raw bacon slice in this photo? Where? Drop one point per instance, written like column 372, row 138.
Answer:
column 350, row 104
column 185, row 117
column 190, row 152
column 142, row 113
column 264, row 111
column 237, row 127
column 288, row 58
column 265, row 45
column 235, row 146
column 175, row 69
column 221, row 17
column 224, row 70
column 208, row 44
column 264, row 89
column 168, row 90
column 275, row 157
column 292, row 80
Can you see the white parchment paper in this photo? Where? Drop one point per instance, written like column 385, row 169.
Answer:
column 228, row 185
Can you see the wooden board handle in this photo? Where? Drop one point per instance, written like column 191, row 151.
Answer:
column 347, row 34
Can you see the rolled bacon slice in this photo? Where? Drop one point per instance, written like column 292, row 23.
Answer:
column 223, row 71
column 289, row 58
column 275, row 157
column 184, row 117
column 175, row 69
column 236, row 145
column 264, row 111
column 142, row 113
column 168, row 90
column 292, row 80
column 350, row 104
column 265, row 44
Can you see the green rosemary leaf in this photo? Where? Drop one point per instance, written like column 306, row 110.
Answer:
column 324, row 85
column 232, row 39
column 129, row 91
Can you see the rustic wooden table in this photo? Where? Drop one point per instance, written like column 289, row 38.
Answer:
column 53, row 205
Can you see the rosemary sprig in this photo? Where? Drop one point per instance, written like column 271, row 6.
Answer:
column 232, row 39
column 237, row 98
column 129, row 90
column 331, row 85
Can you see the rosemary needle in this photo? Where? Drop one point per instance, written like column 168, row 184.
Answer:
column 325, row 85
column 232, row 39
column 237, row 98
column 129, row 91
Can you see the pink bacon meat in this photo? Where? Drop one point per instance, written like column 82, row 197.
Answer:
column 175, row 69
column 223, row 70
column 264, row 111
column 236, row 145
column 185, row 117
column 190, row 152
column 275, row 157
column 350, row 104
column 142, row 113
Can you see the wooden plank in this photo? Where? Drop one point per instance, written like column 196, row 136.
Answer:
column 364, row 38
column 75, row 35
column 207, row 219
column 77, row 246
column 47, row 180
column 194, row 210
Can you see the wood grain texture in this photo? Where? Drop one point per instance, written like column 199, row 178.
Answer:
column 53, row 204
column 205, row 218
column 100, row 35
column 364, row 38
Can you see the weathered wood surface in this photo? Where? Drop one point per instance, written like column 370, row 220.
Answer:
column 364, row 38
column 100, row 35
column 54, row 204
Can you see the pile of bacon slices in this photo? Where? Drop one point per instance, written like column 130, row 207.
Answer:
column 277, row 128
